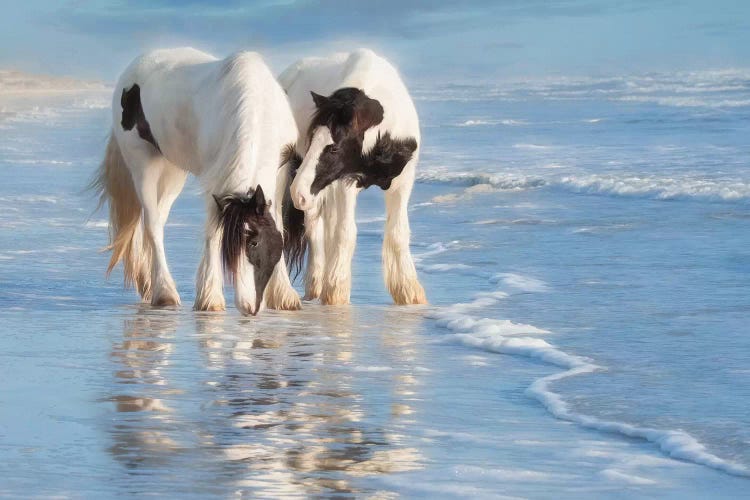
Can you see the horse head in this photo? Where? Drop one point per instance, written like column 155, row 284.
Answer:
column 251, row 245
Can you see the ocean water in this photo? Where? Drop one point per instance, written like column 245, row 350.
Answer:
column 584, row 246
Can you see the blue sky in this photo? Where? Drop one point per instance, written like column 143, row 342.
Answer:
column 449, row 40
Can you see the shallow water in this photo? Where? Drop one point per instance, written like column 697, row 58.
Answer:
column 554, row 231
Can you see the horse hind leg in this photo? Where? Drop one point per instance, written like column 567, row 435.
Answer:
column 171, row 182
column 157, row 183
column 114, row 182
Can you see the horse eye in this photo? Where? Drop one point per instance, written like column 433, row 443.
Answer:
column 254, row 243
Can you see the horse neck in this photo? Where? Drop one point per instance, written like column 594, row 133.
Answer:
column 235, row 161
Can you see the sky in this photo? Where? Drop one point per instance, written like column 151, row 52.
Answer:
column 430, row 40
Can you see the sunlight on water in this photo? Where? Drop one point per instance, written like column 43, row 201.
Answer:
column 585, row 258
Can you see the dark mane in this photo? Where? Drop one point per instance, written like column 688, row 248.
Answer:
column 337, row 109
column 347, row 110
column 237, row 210
column 385, row 161
column 295, row 240
column 290, row 156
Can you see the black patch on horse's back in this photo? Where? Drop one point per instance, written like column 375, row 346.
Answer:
column 295, row 239
column 133, row 116
column 249, row 229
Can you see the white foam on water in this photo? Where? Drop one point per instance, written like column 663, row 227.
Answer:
column 485, row 123
column 520, row 282
column 530, row 146
column 687, row 102
column 506, row 475
column 658, row 187
column 711, row 89
column 506, row 181
column 444, row 267
column 97, row 224
column 628, row 185
column 369, row 220
column 506, row 337
column 440, row 247
column 30, row 199
column 615, row 475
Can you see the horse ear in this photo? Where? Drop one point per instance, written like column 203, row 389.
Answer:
column 219, row 203
column 367, row 114
column 260, row 201
column 318, row 99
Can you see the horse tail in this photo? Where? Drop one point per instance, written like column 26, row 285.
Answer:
column 114, row 185
column 295, row 240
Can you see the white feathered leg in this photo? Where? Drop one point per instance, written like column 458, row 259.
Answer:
column 316, row 255
column 279, row 293
column 340, row 240
column 148, row 169
column 209, row 283
column 398, row 266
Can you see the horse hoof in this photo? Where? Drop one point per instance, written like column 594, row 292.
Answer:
column 335, row 298
column 289, row 304
column 165, row 301
column 409, row 295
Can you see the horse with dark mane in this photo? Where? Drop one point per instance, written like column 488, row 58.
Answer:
column 359, row 128
column 227, row 122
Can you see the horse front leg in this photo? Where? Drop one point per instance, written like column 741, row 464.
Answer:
column 340, row 240
column 315, row 233
column 209, row 284
column 398, row 266
column 279, row 293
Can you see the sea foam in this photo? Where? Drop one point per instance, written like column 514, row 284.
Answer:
column 626, row 185
column 507, row 337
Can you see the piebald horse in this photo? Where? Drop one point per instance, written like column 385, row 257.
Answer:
column 358, row 128
column 228, row 122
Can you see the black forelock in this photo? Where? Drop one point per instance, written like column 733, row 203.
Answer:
column 339, row 110
column 244, row 221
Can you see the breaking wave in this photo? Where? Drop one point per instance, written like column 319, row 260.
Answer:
column 468, row 328
column 655, row 187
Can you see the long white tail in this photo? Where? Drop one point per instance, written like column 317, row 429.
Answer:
column 114, row 185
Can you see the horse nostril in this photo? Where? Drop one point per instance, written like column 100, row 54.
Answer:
column 301, row 200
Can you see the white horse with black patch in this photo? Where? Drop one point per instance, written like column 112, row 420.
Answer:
column 359, row 128
column 228, row 122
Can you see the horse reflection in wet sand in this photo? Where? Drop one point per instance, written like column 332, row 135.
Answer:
column 181, row 111
column 272, row 406
column 299, row 417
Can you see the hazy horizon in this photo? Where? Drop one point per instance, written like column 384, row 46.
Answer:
column 430, row 41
